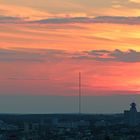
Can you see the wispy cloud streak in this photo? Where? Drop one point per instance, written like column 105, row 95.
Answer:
column 43, row 55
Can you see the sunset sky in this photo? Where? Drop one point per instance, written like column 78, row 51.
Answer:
column 45, row 43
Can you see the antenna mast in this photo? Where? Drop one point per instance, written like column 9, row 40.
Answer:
column 79, row 93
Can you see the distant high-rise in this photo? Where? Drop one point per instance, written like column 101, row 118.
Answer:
column 131, row 115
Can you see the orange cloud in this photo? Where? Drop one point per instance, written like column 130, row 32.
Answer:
column 23, row 12
column 117, row 10
column 71, row 37
column 49, row 9
column 135, row 1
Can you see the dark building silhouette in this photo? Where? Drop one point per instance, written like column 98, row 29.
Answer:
column 107, row 138
column 131, row 116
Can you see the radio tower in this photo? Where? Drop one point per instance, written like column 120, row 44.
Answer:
column 79, row 93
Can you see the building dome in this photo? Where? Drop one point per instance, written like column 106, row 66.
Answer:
column 133, row 105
